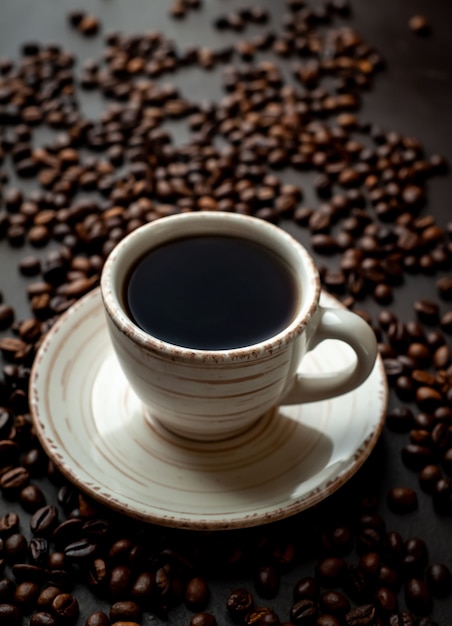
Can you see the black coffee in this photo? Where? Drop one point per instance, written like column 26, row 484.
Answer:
column 211, row 292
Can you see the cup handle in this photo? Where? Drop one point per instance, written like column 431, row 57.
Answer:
column 345, row 326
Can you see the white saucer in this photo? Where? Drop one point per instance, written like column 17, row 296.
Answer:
column 93, row 427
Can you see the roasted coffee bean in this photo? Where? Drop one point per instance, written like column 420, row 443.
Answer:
column 15, row 548
column 329, row 571
column 416, row 457
column 419, row 25
column 427, row 311
column 42, row 618
column 9, row 455
column 402, row 500
column 363, row 615
column 262, row 616
column 28, row 572
column 6, row 316
column 303, row 612
column 7, row 588
column 98, row 574
column 9, row 524
column 429, row 476
column 44, row 521
column 66, row 532
column 13, row 481
column 125, row 611
column 238, row 603
column 394, row 547
column 65, row 607
column 197, row 594
column 97, row 618
column 10, row 615
column 334, row 602
column 416, row 556
column 202, row 619
column 446, row 322
column 143, row 588
column 306, row 587
column 47, row 596
column 120, row 579
column 32, row 498
column 400, row 419
column 267, row 581
column 80, row 551
column 439, row 579
column 25, row 595
column 417, row 596
column 6, row 422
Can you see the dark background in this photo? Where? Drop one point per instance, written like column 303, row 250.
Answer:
column 412, row 96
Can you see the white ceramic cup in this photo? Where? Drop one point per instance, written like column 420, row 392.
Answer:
column 215, row 394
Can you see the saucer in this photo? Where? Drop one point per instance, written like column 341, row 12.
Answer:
column 96, row 431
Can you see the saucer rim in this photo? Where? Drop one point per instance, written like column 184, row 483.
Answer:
column 200, row 521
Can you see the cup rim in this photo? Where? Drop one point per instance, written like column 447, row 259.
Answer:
column 118, row 316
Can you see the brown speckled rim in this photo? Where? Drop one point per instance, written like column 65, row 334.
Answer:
column 137, row 243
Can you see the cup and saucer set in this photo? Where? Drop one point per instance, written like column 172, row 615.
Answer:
column 120, row 433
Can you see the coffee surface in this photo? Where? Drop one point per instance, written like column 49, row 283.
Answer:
column 211, row 292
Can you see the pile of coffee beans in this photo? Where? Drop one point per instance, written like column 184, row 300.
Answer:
column 291, row 99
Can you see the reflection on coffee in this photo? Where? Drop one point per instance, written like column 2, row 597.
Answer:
column 211, row 292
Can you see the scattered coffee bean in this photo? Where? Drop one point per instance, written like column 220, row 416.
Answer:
column 417, row 596
column 419, row 25
column 402, row 500
column 203, row 619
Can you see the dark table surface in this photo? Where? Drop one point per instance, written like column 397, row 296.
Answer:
column 411, row 96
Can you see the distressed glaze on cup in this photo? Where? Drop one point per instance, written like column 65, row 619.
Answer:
column 209, row 395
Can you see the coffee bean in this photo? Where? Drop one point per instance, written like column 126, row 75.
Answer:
column 32, row 498
column 399, row 419
column 44, row 521
column 6, row 316
column 13, row 481
column 334, row 602
column 402, row 500
column 65, row 607
column 46, row 597
column 402, row 619
column 419, row 25
column 427, row 311
column 446, row 322
column 267, row 581
column 42, row 618
column 10, row 615
column 306, row 587
column 239, row 603
column 9, row 524
column 385, row 601
column 119, row 582
column 329, row 571
column 361, row 615
column 416, row 457
column 417, row 596
column 125, row 611
column 80, row 550
column 262, row 616
column 429, row 476
column 203, row 619
column 25, row 595
column 303, row 612
column 15, row 547
column 97, row 618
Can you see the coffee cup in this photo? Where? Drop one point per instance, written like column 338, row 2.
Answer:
column 210, row 316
